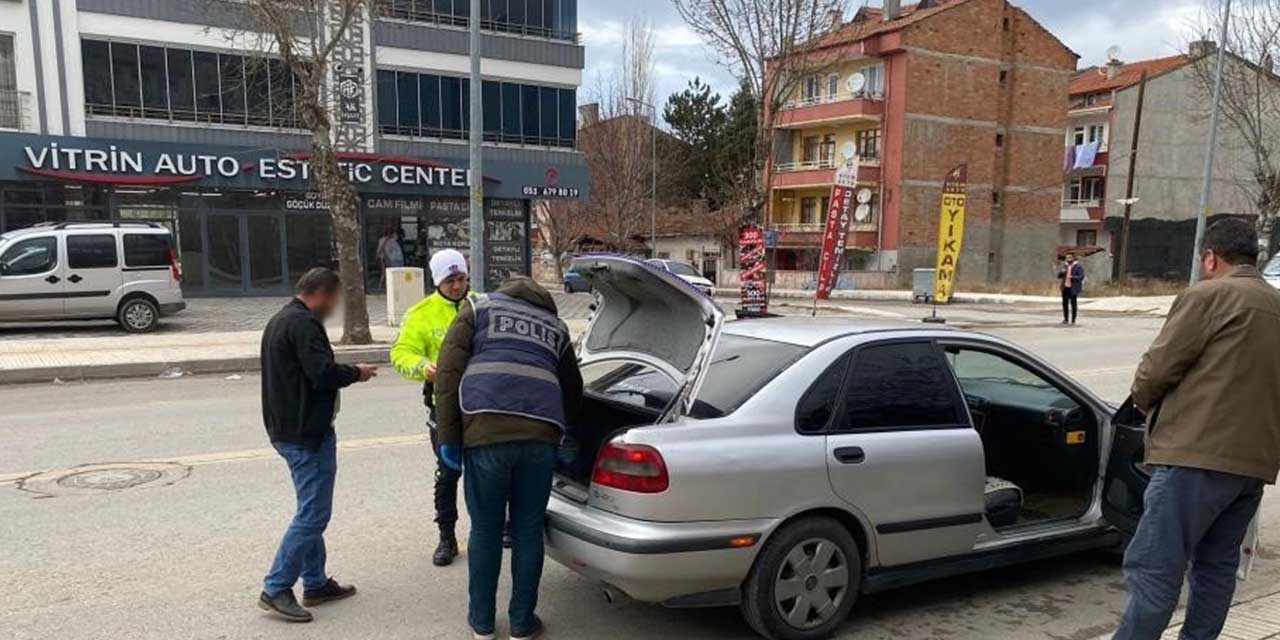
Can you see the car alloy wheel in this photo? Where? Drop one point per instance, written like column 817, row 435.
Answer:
column 811, row 583
column 139, row 316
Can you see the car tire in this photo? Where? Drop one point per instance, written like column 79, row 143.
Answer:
column 819, row 560
column 138, row 315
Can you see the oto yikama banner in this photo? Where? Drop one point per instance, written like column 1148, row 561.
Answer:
column 950, row 232
column 836, row 234
column 751, row 265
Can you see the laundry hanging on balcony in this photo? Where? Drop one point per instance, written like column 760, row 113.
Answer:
column 1086, row 154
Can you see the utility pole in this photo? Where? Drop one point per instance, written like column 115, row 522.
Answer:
column 653, row 186
column 1207, row 188
column 476, row 174
column 1133, row 166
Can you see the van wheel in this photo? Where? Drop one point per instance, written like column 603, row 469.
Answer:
column 139, row 315
column 805, row 581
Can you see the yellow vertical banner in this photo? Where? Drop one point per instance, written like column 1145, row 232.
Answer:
column 950, row 232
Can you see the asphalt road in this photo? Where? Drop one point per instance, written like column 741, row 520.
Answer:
column 182, row 556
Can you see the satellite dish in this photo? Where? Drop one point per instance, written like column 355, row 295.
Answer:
column 1113, row 52
column 857, row 82
column 862, row 213
column 864, row 196
column 849, row 151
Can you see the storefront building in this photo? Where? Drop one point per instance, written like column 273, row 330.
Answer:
column 138, row 110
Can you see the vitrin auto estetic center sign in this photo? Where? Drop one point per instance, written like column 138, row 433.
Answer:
column 116, row 165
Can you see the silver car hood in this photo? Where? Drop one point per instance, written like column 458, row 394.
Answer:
column 647, row 314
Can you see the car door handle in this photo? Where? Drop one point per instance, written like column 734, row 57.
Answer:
column 75, row 278
column 850, row 455
column 53, row 279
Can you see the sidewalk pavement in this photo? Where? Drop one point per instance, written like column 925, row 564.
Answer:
column 1138, row 305
column 1252, row 618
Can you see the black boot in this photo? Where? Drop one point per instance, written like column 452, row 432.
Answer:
column 446, row 551
column 284, row 605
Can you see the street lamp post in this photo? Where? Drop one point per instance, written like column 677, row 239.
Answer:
column 475, row 227
column 653, row 186
column 1207, row 187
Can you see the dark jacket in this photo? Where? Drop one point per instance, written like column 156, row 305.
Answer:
column 1077, row 278
column 1209, row 380
column 300, row 378
column 453, row 427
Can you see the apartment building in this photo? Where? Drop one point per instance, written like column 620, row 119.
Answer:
column 1168, row 166
column 169, row 111
column 914, row 91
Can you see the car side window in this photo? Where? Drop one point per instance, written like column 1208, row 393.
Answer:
column 30, row 257
column 143, row 250
column 91, row 252
column 900, row 386
column 816, row 407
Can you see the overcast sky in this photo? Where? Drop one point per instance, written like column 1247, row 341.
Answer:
column 1141, row 28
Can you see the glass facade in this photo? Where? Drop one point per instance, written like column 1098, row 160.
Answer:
column 163, row 83
column 433, row 106
column 554, row 19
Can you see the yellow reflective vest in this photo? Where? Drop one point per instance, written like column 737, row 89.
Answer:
column 421, row 334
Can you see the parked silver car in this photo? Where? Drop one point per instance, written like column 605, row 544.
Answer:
column 788, row 465
column 126, row 271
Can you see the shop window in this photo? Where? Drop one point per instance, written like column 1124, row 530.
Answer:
column 124, row 76
column 91, row 252
column 182, row 85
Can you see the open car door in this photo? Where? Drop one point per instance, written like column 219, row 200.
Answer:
column 1127, row 476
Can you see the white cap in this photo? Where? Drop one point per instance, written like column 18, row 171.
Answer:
column 445, row 263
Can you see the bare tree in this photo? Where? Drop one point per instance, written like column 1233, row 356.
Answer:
column 563, row 224
column 306, row 36
column 770, row 45
column 618, row 146
column 1250, row 95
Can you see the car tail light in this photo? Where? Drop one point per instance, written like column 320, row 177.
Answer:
column 631, row 467
column 175, row 268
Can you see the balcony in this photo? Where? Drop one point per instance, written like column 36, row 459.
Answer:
column 821, row 172
column 15, row 110
column 831, row 108
column 1091, row 210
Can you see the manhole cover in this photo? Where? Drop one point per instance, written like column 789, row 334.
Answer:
column 96, row 479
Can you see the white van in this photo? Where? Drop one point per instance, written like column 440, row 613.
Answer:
column 125, row 271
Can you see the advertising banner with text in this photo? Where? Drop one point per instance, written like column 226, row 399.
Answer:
column 950, row 232
column 751, row 265
column 836, row 235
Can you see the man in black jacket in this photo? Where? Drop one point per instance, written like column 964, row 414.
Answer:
column 300, row 383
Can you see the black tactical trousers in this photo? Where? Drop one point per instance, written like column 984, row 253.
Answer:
column 446, row 489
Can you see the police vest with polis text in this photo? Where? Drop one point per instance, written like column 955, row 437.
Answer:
column 515, row 360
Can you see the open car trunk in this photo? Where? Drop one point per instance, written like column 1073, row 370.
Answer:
column 598, row 421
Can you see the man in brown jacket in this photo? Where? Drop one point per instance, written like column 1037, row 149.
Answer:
column 1208, row 386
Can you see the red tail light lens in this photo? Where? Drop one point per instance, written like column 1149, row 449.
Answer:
column 631, row 467
column 175, row 268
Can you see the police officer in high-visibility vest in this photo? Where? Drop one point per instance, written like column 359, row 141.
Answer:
column 507, row 387
column 414, row 356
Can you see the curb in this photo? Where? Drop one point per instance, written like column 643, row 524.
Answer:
column 373, row 355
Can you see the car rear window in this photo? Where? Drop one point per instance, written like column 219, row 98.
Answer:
column 739, row 368
column 146, row 250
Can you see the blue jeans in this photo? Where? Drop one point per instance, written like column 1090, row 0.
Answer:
column 495, row 476
column 301, row 552
column 1190, row 516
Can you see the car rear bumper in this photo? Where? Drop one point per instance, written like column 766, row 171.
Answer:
column 654, row 561
column 170, row 308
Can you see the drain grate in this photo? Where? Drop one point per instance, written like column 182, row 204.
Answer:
column 97, row 479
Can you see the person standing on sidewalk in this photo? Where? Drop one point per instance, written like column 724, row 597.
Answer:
column 414, row 356
column 300, row 384
column 507, row 386
column 1071, row 282
column 1207, row 385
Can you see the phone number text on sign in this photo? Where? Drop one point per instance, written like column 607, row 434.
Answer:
column 550, row 192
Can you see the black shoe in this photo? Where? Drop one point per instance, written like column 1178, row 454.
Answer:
column 530, row 634
column 328, row 593
column 284, row 605
column 446, row 551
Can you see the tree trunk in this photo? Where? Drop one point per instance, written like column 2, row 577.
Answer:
column 559, row 258
column 344, row 209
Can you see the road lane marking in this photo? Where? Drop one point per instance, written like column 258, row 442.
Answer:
column 249, row 455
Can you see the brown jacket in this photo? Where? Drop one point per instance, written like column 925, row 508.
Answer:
column 455, row 427
column 1211, row 380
